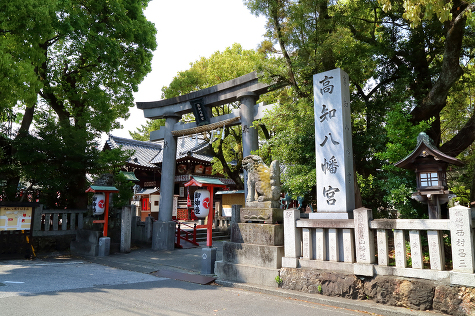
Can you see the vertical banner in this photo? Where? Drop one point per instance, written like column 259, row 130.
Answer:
column 200, row 111
column 333, row 144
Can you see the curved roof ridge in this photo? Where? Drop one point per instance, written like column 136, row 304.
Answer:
column 118, row 139
column 425, row 142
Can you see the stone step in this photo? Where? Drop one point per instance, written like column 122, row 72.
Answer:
column 254, row 255
column 202, row 235
column 246, row 274
column 217, row 235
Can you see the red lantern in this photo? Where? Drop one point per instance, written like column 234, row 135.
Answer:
column 201, row 203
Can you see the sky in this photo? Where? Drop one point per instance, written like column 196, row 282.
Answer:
column 186, row 31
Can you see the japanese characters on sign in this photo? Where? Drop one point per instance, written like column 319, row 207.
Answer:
column 460, row 238
column 201, row 203
column 360, row 237
column 15, row 218
column 334, row 153
column 461, row 235
column 200, row 111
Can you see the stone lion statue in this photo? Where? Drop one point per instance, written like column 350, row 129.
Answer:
column 262, row 180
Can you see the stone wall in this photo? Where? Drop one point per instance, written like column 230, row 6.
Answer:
column 395, row 291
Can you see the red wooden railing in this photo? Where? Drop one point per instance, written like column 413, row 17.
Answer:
column 179, row 236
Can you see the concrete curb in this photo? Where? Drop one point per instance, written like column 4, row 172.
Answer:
column 355, row 305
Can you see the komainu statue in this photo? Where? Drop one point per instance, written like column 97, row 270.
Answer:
column 263, row 183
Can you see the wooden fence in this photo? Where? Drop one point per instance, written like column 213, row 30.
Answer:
column 399, row 247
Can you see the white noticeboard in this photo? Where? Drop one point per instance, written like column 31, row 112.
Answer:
column 333, row 144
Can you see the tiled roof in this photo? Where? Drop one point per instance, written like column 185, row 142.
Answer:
column 149, row 154
column 143, row 151
column 187, row 146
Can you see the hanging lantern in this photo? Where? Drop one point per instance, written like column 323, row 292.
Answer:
column 98, row 203
column 201, row 203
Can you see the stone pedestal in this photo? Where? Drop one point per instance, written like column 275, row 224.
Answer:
column 257, row 234
column 254, row 254
column 262, row 215
column 104, row 246
column 163, row 235
column 208, row 260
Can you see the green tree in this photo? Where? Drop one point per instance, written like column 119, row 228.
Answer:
column 408, row 60
column 143, row 132
column 54, row 168
column 80, row 62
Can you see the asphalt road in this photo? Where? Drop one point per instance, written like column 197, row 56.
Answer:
column 76, row 287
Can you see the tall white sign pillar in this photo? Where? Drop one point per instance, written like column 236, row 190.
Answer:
column 333, row 145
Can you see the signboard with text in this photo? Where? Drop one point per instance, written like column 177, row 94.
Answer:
column 15, row 218
column 333, row 144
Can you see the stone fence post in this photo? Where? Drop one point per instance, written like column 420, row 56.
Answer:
column 235, row 213
column 462, row 239
column 235, row 219
column 364, row 236
column 135, row 233
column 126, row 228
column 292, row 239
column 217, row 213
column 148, row 229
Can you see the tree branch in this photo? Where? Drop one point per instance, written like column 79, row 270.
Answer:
column 451, row 71
column 464, row 138
column 275, row 18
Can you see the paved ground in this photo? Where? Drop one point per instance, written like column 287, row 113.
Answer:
column 123, row 284
column 159, row 297
column 24, row 277
column 145, row 260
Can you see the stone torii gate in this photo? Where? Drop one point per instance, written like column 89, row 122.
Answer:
column 245, row 89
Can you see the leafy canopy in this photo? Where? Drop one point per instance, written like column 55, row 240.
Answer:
column 71, row 66
column 409, row 64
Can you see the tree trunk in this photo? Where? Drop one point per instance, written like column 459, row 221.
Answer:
column 14, row 181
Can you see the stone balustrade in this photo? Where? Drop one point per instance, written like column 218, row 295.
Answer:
column 368, row 247
column 57, row 222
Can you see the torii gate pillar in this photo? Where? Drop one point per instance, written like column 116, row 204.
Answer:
column 163, row 237
column 249, row 133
